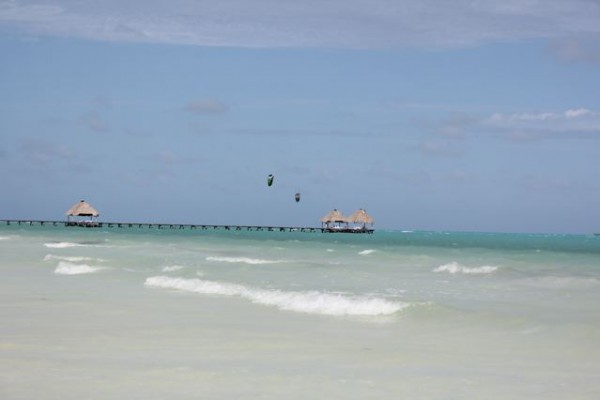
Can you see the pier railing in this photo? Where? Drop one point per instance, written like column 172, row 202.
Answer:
column 204, row 227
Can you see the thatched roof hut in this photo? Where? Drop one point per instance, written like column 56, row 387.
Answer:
column 82, row 209
column 334, row 217
column 360, row 217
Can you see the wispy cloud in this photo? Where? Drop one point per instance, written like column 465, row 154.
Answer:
column 95, row 123
column 576, row 122
column 577, row 49
column 450, row 137
column 423, row 178
column 205, row 106
column 102, row 102
column 197, row 128
column 167, row 158
column 570, row 114
column 310, row 23
column 45, row 153
column 161, row 167
column 443, row 148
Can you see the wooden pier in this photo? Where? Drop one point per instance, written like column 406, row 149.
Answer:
column 202, row 227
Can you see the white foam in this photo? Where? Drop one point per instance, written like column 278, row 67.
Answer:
column 51, row 257
column 67, row 268
column 62, row 245
column 7, row 237
column 172, row 268
column 456, row 268
column 366, row 252
column 312, row 302
column 245, row 260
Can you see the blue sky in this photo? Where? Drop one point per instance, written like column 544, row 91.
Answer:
column 478, row 116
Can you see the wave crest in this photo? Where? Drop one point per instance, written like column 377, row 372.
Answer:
column 67, row 268
column 456, row 268
column 311, row 302
column 51, row 257
column 65, row 245
column 245, row 260
column 172, row 268
column 62, row 245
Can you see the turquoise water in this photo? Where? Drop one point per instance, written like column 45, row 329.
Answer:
column 154, row 314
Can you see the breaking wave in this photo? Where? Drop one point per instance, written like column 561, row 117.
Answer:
column 67, row 268
column 245, row 260
column 62, row 245
column 51, row 257
column 172, row 268
column 311, row 302
column 456, row 268
column 365, row 252
column 65, row 245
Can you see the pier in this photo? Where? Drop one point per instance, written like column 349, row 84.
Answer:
column 201, row 227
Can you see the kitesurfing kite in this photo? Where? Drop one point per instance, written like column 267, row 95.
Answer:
column 270, row 180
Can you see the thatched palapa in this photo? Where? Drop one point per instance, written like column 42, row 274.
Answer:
column 334, row 217
column 83, row 209
column 360, row 217
column 336, row 222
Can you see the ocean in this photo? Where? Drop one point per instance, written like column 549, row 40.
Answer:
column 130, row 313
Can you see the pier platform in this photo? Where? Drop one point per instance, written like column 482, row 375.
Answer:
column 203, row 227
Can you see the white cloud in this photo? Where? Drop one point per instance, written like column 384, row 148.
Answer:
column 527, row 126
column 577, row 113
column 307, row 23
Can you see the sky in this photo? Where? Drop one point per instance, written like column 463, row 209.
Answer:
column 431, row 115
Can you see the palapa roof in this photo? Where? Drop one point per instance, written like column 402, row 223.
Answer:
column 82, row 209
column 333, row 216
column 360, row 217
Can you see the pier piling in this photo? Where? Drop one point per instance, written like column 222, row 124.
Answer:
column 138, row 225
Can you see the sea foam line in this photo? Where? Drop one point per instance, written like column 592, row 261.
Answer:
column 62, row 245
column 311, row 302
column 456, row 268
column 172, row 268
column 245, row 260
column 67, row 268
column 51, row 257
